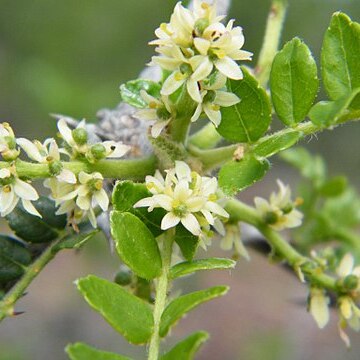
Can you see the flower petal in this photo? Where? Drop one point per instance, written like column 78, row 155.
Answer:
column 24, row 190
column 190, row 223
column 169, row 220
column 229, row 68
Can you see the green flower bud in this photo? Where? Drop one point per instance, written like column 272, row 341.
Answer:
column 124, row 276
column 80, row 136
column 287, row 209
column 201, row 25
column 55, row 167
column 98, row 151
column 270, row 218
column 351, row 282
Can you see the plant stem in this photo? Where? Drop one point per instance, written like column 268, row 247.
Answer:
column 206, row 138
column 241, row 212
column 8, row 302
column 217, row 156
column 213, row 157
column 271, row 42
column 161, row 294
column 135, row 169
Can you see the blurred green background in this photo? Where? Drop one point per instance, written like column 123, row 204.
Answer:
column 70, row 57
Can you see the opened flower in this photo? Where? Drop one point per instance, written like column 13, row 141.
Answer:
column 47, row 153
column 187, row 197
column 280, row 212
column 12, row 190
column 319, row 307
column 159, row 111
column 80, row 200
column 213, row 97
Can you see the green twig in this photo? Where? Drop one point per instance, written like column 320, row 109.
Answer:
column 206, row 138
column 8, row 302
column 161, row 294
column 271, row 40
column 241, row 212
column 135, row 169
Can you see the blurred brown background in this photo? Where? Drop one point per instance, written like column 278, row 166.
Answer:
column 70, row 57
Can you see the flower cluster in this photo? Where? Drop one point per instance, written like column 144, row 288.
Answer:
column 76, row 195
column 80, row 199
column 349, row 311
column 188, row 198
column 280, row 212
column 200, row 53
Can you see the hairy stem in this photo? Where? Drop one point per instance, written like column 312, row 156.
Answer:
column 161, row 294
column 241, row 212
column 135, row 169
column 8, row 302
column 271, row 40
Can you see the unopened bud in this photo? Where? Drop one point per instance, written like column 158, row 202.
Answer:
column 98, row 151
column 80, row 136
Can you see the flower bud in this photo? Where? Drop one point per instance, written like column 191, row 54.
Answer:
column 98, row 151
column 351, row 282
column 80, row 136
column 55, row 167
column 124, row 276
column 270, row 218
column 10, row 155
column 201, row 25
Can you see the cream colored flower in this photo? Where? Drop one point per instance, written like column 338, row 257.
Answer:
column 12, row 190
column 187, row 197
column 280, row 212
column 8, row 149
column 80, row 200
column 232, row 240
column 212, row 99
column 347, row 267
column 349, row 312
column 159, row 111
column 47, row 153
column 319, row 307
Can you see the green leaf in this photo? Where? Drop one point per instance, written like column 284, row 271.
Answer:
column 310, row 166
column 130, row 91
column 125, row 312
column 334, row 187
column 75, row 241
column 136, row 245
column 183, row 304
column 187, row 348
column 235, row 176
column 248, row 120
column 34, row 229
column 81, row 351
column 126, row 194
column 340, row 58
column 188, row 243
column 325, row 113
column 188, row 267
column 293, row 82
column 276, row 143
column 13, row 257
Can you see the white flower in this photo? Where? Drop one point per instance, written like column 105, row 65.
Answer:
column 212, row 98
column 187, row 197
column 232, row 240
column 47, row 153
column 159, row 110
column 347, row 267
column 8, row 143
column 319, row 306
column 80, row 200
column 349, row 312
column 115, row 149
column 12, row 189
column 280, row 212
